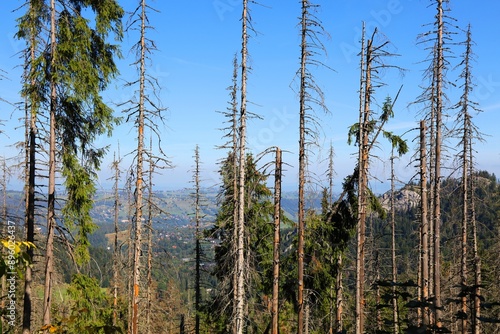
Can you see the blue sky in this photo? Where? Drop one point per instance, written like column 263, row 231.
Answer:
column 196, row 43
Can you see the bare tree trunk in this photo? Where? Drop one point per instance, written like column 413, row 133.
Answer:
column 432, row 189
column 477, row 260
column 424, row 228
column 235, row 161
column 395, row 311
column 30, row 191
column 130, row 252
column 149, row 270
column 332, row 300
column 276, row 243
column 469, row 133
column 302, row 167
column 197, row 303
column 115, row 242
column 139, row 187
column 240, row 263
column 465, row 216
column 335, row 325
column 437, row 180
column 51, row 221
column 362, row 185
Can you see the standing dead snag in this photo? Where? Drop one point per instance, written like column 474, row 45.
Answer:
column 434, row 96
column 310, row 95
column 276, row 242
column 364, row 109
column 395, row 309
column 437, row 166
column 468, row 133
column 239, row 296
column 366, row 133
column 145, row 113
column 424, row 231
column 116, row 253
column 198, row 236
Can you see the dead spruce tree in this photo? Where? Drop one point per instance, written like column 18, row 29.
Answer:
column 115, row 166
column 198, row 216
column 276, row 242
column 239, row 295
column 434, row 98
column 310, row 96
column 468, row 134
column 424, row 279
column 241, row 270
column 366, row 133
column 145, row 110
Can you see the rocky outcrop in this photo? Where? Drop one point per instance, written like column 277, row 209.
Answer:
column 405, row 199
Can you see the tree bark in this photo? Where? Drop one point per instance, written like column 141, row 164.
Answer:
column 395, row 311
column 477, row 260
column 465, row 215
column 115, row 241
column 302, row 167
column 197, row 303
column 240, row 263
column 276, row 243
column 149, row 270
column 437, row 174
column 30, row 198
column 362, row 187
column 139, row 187
column 424, row 228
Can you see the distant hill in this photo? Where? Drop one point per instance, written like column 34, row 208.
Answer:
column 175, row 207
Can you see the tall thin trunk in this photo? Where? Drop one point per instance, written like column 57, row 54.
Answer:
column 51, row 221
column 240, row 263
column 335, row 290
column 468, row 135
column 30, row 197
column 235, row 169
column 476, row 329
column 437, row 180
column 378, row 296
column 395, row 311
column 130, row 251
column 139, row 187
column 424, row 228
column 362, row 186
column 115, row 241
column 302, row 167
column 432, row 186
column 276, row 243
column 465, row 216
column 197, row 283
column 149, row 268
